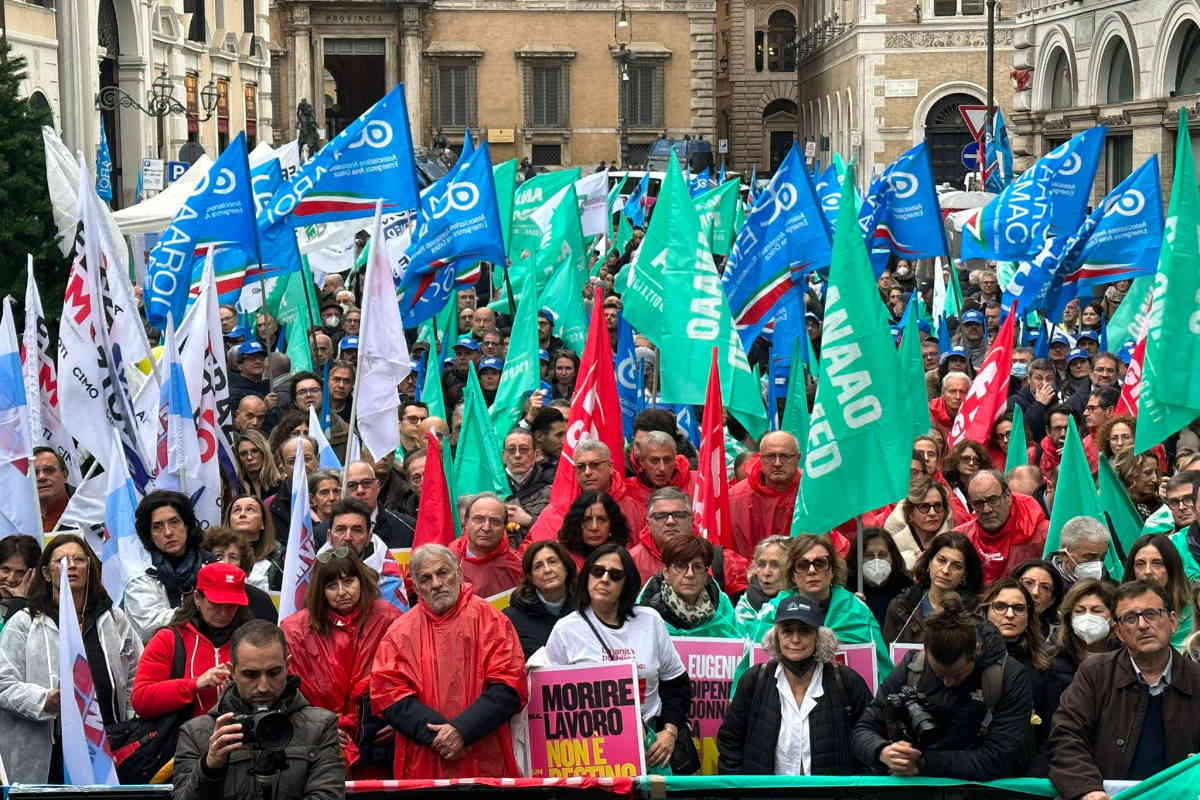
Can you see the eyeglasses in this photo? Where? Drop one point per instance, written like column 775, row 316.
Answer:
column 986, row 502
column 663, row 516
column 685, row 569
column 1179, row 503
column 483, row 519
column 1002, row 608
column 591, row 466
column 516, row 450
column 174, row 523
column 615, row 574
column 970, row 461
column 365, row 483
column 325, row 556
column 929, row 508
column 778, row 458
column 1151, row 615
column 816, row 565
column 312, row 390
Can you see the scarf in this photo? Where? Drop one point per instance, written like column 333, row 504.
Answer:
column 690, row 614
column 218, row 636
column 177, row 575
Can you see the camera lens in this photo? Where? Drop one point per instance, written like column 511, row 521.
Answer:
column 273, row 731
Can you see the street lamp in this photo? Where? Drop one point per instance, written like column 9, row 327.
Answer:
column 160, row 100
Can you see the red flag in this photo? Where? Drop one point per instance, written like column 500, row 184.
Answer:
column 435, row 525
column 710, row 497
column 988, row 396
column 595, row 414
column 1131, row 388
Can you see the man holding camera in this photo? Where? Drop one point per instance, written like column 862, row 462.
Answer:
column 959, row 709
column 263, row 739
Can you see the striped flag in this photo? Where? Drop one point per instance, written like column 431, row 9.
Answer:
column 18, row 506
column 301, row 551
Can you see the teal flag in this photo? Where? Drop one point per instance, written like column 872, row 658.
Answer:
column 1170, row 396
column 431, row 389
column 524, row 234
column 1075, row 496
column 1127, row 320
column 717, row 209
column 560, row 265
column 795, row 409
column 522, row 369
column 861, row 422
column 1018, row 448
column 1116, row 505
column 912, row 372
column 1176, row 782
column 675, row 299
column 477, row 465
column 288, row 304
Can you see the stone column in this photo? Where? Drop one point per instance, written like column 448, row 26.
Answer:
column 410, row 28
column 302, row 74
column 78, row 77
column 702, row 68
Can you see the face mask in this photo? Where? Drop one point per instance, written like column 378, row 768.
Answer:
column 799, row 668
column 876, row 571
column 332, row 321
column 1089, row 569
column 1089, row 627
column 1019, row 369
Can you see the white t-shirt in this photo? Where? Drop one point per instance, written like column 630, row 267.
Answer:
column 643, row 639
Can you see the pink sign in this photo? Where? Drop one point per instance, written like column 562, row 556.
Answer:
column 585, row 721
column 859, row 657
column 901, row 649
column 711, row 665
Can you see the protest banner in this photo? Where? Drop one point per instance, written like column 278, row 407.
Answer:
column 584, row 721
column 859, row 657
column 711, row 664
column 900, row 649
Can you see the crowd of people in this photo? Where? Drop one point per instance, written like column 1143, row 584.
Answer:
column 1023, row 662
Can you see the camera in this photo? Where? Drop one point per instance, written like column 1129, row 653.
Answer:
column 909, row 718
column 266, row 730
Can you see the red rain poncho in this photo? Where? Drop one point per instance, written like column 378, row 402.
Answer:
column 1023, row 537
column 448, row 662
column 335, row 668
column 758, row 511
column 491, row 574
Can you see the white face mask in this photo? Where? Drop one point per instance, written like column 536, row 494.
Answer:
column 1089, row 627
column 1089, row 569
column 876, row 571
column 332, row 321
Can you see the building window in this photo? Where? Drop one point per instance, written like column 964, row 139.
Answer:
column 251, row 94
column 1119, row 86
column 759, row 39
column 957, row 8
column 196, row 31
column 781, row 37
column 1062, row 92
column 456, row 94
column 222, row 114
column 644, row 93
column 547, row 94
column 546, row 155
column 1187, row 70
column 1118, row 159
column 276, row 96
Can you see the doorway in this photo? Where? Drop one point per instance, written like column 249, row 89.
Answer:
column 354, row 80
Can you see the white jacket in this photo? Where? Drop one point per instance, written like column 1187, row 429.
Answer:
column 146, row 603
column 29, row 672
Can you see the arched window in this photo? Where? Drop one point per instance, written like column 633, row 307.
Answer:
column 781, row 36
column 1187, row 69
column 1118, row 85
column 1062, row 83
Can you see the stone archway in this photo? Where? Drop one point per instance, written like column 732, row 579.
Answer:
column 779, row 119
column 946, row 134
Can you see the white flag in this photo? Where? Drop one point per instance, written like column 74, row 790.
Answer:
column 592, row 191
column 301, row 551
column 122, row 554
column 18, row 492
column 325, row 454
column 177, row 450
column 382, row 353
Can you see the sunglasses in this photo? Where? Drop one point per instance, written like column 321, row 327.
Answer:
column 816, row 565
column 615, row 574
column 336, row 552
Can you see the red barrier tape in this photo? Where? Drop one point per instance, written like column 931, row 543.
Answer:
column 623, row 786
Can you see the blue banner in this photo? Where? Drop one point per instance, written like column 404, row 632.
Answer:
column 265, row 180
column 785, row 237
column 998, row 156
column 699, row 183
column 219, row 214
column 829, row 192
column 901, row 214
column 627, row 370
column 638, row 202
column 104, row 167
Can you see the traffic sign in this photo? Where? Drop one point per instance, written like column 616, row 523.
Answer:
column 970, row 156
column 175, row 170
column 976, row 119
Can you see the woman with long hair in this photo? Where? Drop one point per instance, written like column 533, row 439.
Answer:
column 949, row 565
column 292, row 423
column 1140, row 476
column 169, row 531
column 30, row 701
column 332, row 642
column 926, row 512
column 544, row 595
column 565, row 369
column 999, row 437
column 202, row 628
column 257, row 471
column 1152, row 557
column 965, row 459
column 592, row 520
column 247, row 515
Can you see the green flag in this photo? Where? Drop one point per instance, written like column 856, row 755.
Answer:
column 1129, row 317
column 525, row 235
column 795, row 409
column 296, row 313
column 739, row 216
column 1176, row 782
column 477, row 465
column 675, row 299
column 560, row 265
column 1018, row 448
column 522, row 369
column 717, row 209
column 613, row 194
column 446, row 322
column 1074, row 494
column 860, row 424
column 505, row 177
column 1115, row 502
column 1170, row 396
column 431, row 389
column 912, row 373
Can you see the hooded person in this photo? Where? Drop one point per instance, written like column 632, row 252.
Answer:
column 1008, row 527
column 656, row 463
column 944, row 408
column 761, row 505
column 594, row 472
column 448, row 676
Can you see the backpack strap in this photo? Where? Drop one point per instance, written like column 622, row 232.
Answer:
column 177, row 665
column 992, row 684
column 916, row 667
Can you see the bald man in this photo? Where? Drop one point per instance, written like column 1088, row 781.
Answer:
column 761, row 504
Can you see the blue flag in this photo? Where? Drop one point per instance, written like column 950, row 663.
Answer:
column 685, row 418
column 699, row 183
column 998, row 156
column 104, row 167
column 264, row 181
column 829, row 192
column 785, row 237
column 219, row 214
column 721, row 174
column 901, row 214
column 1048, row 201
column 635, row 206
column 627, row 370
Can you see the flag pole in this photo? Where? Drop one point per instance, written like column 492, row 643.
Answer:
column 858, row 546
column 262, row 286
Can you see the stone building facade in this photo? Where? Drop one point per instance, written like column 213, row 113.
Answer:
column 560, row 82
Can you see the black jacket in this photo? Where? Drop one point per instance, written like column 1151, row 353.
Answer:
column 747, row 738
column 961, row 752
column 533, row 620
column 1035, row 412
column 313, row 767
column 396, row 530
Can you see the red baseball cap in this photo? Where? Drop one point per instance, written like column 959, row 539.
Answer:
column 222, row 583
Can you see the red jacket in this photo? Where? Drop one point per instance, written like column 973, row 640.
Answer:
column 447, row 662
column 1049, row 458
column 684, row 480
column 1000, row 457
column 490, row 574
column 649, row 563
column 335, row 668
column 156, row 693
column 940, row 416
column 1022, row 537
column 550, row 520
column 758, row 511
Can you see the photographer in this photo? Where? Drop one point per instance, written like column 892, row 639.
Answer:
column 263, row 739
column 959, row 709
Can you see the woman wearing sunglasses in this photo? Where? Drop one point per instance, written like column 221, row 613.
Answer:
column 332, row 641
column 607, row 627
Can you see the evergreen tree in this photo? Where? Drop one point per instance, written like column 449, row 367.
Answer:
column 26, row 222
